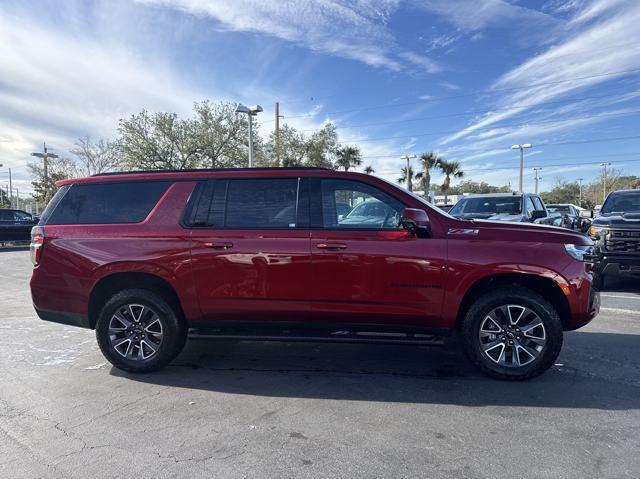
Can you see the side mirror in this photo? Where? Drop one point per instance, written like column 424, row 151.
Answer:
column 416, row 221
column 538, row 214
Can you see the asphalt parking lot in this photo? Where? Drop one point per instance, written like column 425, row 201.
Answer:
column 248, row 409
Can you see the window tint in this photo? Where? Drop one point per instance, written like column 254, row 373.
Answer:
column 261, row 203
column 22, row 216
column 108, row 203
column 488, row 206
column 529, row 206
column 538, row 203
column 351, row 204
column 6, row 215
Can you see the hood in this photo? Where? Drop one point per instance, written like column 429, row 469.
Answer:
column 622, row 221
column 519, row 232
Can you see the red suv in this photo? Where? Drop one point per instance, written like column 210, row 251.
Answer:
column 300, row 254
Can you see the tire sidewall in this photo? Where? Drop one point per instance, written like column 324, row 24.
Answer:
column 521, row 297
column 171, row 327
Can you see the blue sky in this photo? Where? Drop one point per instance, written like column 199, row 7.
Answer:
column 464, row 78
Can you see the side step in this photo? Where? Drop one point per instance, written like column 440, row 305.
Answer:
column 290, row 335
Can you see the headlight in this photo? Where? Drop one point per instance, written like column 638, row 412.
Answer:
column 578, row 251
column 596, row 232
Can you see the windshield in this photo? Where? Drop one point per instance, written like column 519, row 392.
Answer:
column 558, row 209
column 622, row 203
column 506, row 205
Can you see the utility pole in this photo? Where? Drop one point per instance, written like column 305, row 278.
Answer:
column 604, row 181
column 537, row 177
column 277, row 133
column 521, row 147
column 408, row 157
column 580, row 192
column 45, row 155
column 10, row 191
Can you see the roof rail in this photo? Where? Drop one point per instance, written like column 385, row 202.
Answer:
column 204, row 170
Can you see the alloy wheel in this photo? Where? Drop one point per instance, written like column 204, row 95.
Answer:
column 135, row 332
column 512, row 336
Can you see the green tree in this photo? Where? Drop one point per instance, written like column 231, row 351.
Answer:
column 369, row 170
column 214, row 137
column 562, row 192
column 469, row 186
column 449, row 169
column 321, row 147
column 428, row 161
column 407, row 177
column 92, row 157
column 59, row 169
column 348, row 157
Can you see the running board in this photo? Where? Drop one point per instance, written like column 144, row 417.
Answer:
column 325, row 337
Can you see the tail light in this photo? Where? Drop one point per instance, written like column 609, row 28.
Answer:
column 37, row 243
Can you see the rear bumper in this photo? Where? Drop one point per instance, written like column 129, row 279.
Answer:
column 63, row 317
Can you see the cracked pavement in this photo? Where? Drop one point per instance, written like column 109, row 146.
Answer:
column 233, row 409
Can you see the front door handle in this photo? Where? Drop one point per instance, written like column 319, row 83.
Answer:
column 331, row 246
column 218, row 245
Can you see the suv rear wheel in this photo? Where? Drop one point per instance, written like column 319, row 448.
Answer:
column 138, row 331
column 514, row 334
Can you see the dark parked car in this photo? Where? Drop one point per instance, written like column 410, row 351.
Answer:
column 15, row 225
column 265, row 254
column 570, row 216
column 616, row 231
column 518, row 207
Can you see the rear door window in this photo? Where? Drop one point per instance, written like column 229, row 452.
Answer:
column 261, row 203
column 107, row 203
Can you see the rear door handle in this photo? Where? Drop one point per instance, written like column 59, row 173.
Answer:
column 331, row 246
column 218, row 245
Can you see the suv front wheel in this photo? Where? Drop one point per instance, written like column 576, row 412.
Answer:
column 514, row 334
column 139, row 332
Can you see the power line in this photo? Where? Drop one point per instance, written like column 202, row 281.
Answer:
column 492, row 90
column 604, row 115
column 471, row 112
column 549, row 166
column 391, row 105
column 575, row 142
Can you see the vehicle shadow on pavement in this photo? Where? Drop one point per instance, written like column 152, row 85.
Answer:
column 595, row 370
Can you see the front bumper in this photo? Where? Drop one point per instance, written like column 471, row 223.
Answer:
column 618, row 265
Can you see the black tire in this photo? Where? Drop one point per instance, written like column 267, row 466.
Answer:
column 511, row 295
column 174, row 331
column 599, row 282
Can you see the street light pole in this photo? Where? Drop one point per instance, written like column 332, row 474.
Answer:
column 251, row 111
column 10, row 191
column 604, row 181
column 408, row 157
column 521, row 147
column 537, row 178
column 580, row 192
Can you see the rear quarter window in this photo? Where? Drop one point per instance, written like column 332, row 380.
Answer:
column 107, row 203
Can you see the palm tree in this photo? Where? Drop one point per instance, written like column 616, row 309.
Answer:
column 369, row 170
column 348, row 157
column 403, row 179
column 428, row 160
column 449, row 169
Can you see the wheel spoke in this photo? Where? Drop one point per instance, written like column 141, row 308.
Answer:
column 132, row 335
column 512, row 335
column 518, row 314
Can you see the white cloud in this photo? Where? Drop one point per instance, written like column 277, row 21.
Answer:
column 58, row 86
column 472, row 15
column 353, row 29
column 568, row 67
